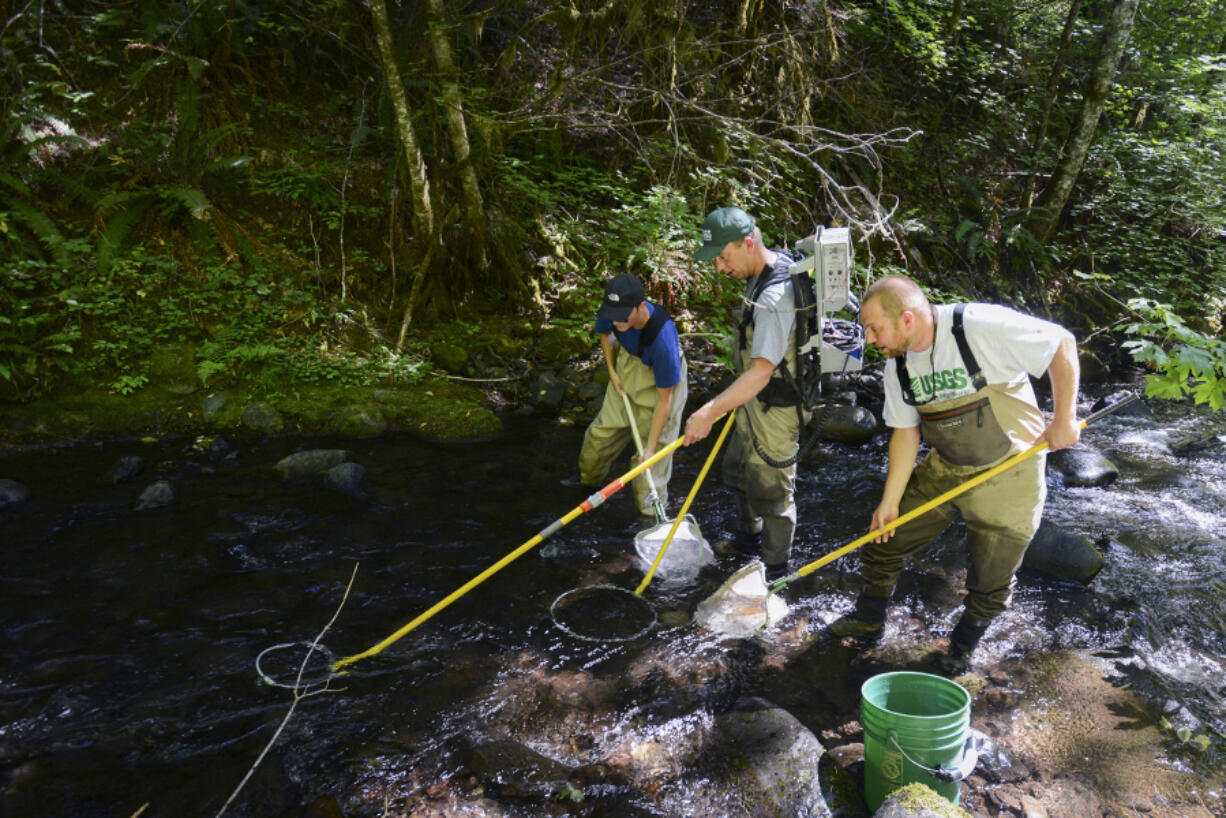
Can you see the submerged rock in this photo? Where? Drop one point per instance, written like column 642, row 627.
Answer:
column 123, row 470
column 346, row 478
column 853, row 425
column 1062, row 554
column 310, row 462
column 1082, row 466
column 12, row 493
column 156, row 495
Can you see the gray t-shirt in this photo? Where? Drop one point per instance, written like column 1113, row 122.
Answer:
column 774, row 316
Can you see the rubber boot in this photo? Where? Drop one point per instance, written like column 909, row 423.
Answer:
column 962, row 643
column 865, row 620
column 747, row 545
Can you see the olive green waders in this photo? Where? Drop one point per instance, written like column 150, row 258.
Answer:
column 609, row 434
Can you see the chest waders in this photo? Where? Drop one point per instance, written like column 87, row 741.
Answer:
column 787, row 389
column 965, row 430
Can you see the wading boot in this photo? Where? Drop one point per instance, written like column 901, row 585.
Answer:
column 741, row 545
column 775, row 573
column 866, row 619
column 962, row 643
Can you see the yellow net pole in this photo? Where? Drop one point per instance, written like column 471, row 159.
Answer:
column 587, row 505
column 686, row 506
column 936, row 501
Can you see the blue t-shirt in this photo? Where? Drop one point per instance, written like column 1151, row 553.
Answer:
column 664, row 354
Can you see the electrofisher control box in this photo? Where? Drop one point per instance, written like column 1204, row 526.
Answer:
column 826, row 271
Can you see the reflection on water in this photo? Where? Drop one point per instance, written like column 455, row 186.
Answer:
column 129, row 640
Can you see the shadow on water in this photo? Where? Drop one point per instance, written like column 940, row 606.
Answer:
column 127, row 674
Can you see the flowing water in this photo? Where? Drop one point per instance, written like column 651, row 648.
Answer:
column 130, row 639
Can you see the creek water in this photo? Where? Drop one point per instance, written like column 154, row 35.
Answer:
column 129, row 639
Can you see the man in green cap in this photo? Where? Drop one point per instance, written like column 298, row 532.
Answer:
column 769, row 424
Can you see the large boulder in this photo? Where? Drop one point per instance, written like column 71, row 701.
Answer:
column 1062, row 554
column 773, row 760
column 853, row 425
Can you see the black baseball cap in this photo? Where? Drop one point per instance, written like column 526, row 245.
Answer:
column 622, row 293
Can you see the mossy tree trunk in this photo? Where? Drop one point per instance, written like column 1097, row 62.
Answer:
column 425, row 230
column 1055, row 196
column 457, row 130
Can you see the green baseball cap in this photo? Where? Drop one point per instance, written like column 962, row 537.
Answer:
column 720, row 227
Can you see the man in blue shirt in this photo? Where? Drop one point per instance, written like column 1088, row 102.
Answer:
column 643, row 354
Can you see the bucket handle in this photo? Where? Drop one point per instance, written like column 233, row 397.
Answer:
column 964, row 767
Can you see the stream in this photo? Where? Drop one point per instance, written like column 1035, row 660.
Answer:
column 130, row 639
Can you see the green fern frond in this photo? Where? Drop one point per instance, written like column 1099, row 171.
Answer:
column 119, row 225
column 41, row 225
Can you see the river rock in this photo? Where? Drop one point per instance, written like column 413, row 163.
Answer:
column 548, row 394
column 557, row 345
column 1061, row 554
column 1082, row 466
column 918, row 801
column 346, row 478
column 360, row 423
column 156, row 495
column 212, row 406
column 772, row 758
column 12, row 493
column 123, row 470
column 854, row 425
column 590, row 391
column 449, row 357
column 309, row 462
column 260, row 417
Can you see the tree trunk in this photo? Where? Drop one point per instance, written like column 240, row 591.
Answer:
column 1049, row 95
column 419, row 185
column 474, row 207
column 1056, row 195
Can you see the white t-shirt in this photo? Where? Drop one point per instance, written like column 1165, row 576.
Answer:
column 1008, row 345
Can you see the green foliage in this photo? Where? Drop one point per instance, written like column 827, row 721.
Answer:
column 1188, row 362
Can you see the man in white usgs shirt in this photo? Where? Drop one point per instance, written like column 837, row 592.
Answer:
column 958, row 376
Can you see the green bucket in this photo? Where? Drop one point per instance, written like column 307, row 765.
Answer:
column 916, row 728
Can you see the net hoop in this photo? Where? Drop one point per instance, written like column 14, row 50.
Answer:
column 643, row 603
column 313, row 648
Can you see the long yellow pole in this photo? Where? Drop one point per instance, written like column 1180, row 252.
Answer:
column 587, row 505
column 685, row 507
column 936, row 501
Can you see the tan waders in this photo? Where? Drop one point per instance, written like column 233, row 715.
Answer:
column 1001, row 514
column 764, row 494
column 609, row 434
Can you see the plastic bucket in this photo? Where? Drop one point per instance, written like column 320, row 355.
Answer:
column 916, row 728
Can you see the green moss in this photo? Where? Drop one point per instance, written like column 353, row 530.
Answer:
column 437, row 410
column 916, row 796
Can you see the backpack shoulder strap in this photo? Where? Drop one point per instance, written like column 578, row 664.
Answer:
column 964, row 349
column 652, row 328
column 779, row 271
